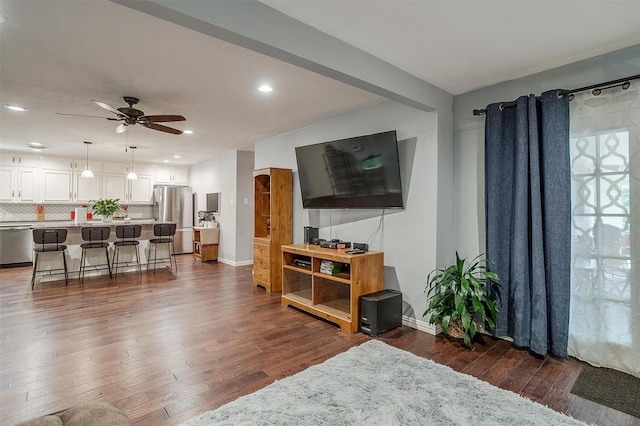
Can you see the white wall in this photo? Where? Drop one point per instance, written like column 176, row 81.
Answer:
column 469, row 130
column 230, row 175
column 244, row 210
column 408, row 237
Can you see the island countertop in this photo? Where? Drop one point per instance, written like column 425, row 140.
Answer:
column 71, row 224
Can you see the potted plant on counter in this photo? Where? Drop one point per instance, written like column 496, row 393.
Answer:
column 461, row 294
column 106, row 208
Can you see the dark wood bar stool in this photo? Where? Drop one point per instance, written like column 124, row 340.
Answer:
column 165, row 232
column 128, row 235
column 46, row 241
column 97, row 237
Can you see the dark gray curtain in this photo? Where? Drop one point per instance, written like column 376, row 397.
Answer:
column 528, row 219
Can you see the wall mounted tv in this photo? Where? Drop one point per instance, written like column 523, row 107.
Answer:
column 359, row 173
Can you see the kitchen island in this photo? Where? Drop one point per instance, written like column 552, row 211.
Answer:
column 74, row 251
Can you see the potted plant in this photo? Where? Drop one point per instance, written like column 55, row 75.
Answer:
column 462, row 294
column 106, row 208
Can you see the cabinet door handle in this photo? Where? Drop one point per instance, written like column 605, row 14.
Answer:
column 13, row 194
column 19, row 194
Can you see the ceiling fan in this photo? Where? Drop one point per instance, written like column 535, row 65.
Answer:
column 131, row 116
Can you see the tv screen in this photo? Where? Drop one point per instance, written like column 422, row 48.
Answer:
column 360, row 173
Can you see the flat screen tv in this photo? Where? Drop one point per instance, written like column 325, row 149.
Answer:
column 356, row 173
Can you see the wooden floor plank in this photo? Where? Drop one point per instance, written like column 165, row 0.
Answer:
column 167, row 347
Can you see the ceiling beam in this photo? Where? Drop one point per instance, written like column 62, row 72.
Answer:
column 258, row 27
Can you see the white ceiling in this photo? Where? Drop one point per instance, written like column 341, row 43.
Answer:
column 461, row 46
column 56, row 56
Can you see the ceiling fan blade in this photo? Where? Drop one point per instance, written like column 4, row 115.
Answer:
column 91, row 116
column 163, row 118
column 107, row 107
column 162, row 128
column 121, row 128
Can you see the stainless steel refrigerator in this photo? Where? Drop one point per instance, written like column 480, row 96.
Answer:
column 175, row 204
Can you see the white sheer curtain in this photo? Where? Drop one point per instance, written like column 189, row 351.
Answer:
column 604, row 325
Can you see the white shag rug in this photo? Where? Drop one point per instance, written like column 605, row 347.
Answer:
column 378, row 384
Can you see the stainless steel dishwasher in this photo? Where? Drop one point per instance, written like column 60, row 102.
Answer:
column 16, row 246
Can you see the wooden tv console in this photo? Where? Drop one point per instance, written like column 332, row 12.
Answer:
column 332, row 297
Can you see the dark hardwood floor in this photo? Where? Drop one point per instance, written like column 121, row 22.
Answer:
column 165, row 348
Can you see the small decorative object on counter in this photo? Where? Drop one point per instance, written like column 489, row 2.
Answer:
column 40, row 212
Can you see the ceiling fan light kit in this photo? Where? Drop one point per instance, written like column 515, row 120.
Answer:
column 131, row 116
column 87, row 173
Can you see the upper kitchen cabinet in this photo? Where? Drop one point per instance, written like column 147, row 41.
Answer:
column 18, row 178
column 57, row 179
column 172, row 175
column 141, row 189
column 116, row 184
column 11, row 159
column 87, row 189
column 8, row 184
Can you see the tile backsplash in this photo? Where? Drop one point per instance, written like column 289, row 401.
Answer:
column 10, row 212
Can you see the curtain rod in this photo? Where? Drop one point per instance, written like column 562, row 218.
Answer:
column 596, row 88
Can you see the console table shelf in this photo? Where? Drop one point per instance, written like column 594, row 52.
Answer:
column 332, row 297
column 205, row 243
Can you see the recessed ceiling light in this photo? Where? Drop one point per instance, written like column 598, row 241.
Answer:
column 16, row 108
column 176, row 156
column 37, row 146
column 165, row 161
column 189, row 132
column 265, row 88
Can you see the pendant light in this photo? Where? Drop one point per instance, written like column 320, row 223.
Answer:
column 87, row 173
column 132, row 175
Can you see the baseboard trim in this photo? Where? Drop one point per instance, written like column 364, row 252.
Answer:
column 232, row 263
column 421, row 325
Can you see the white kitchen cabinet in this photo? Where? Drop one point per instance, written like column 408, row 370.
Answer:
column 141, row 189
column 116, row 184
column 56, row 175
column 27, row 185
column 55, row 163
column 172, row 175
column 12, row 159
column 57, row 186
column 18, row 178
column 87, row 189
column 8, row 184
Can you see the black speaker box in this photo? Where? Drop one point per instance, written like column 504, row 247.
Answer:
column 380, row 312
column 361, row 246
column 310, row 234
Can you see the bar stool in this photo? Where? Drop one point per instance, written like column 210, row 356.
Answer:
column 46, row 241
column 165, row 231
column 97, row 237
column 127, row 235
